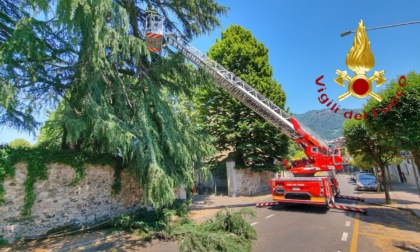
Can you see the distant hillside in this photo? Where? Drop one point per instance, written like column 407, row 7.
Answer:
column 324, row 123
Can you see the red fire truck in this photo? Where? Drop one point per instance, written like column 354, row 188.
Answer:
column 314, row 179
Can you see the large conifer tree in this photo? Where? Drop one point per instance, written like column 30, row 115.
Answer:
column 115, row 95
column 254, row 141
column 35, row 64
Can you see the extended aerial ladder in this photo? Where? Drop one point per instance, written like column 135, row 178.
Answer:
column 230, row 83
column 314, row 146
column 321, row 158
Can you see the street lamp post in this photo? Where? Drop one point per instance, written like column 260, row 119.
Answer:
column 380, row 27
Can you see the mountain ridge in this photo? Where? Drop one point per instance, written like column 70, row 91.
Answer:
column 324, row 122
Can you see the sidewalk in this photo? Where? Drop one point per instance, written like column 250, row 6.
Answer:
column 406, row 197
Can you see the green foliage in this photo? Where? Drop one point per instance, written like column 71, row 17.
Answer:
column 374, row 146
column 51, row 133
column 6, row 169
column 254, row 141
column 36, row 159
column 197, row 17
column 3, row 241
column 398, row 118
column 19, row 143
column 144, row 221
column 360, row 140
column 361, row 161
column 150, row 223
column 293, row 149
column 90, row 57
column 228, row 231
column 41, row 56
column 116, row 186
column 402, row 121
column 299, row 155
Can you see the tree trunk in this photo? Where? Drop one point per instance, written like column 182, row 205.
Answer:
column 385, row 183
column 416, row 155
column 389, row 178
column 79, row 144
column 378, row 179
column 64, row 145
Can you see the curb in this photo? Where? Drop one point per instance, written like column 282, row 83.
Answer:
column 81, row 244
column 220, row 207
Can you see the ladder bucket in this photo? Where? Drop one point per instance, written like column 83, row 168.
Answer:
column 154, row 32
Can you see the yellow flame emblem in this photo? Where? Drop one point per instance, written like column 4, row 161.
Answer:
column 360, row 60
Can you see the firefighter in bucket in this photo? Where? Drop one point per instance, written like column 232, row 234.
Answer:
column 154, row 30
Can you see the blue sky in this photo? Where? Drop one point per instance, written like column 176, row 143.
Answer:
column 304, row 42
column 303, row 38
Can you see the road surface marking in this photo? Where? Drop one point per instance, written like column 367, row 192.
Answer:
column 255, row 223
column 347, row 223
column 353, row 247
column 344, row 237
column 271, row 215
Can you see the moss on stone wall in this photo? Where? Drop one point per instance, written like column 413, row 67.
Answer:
column 37, row 158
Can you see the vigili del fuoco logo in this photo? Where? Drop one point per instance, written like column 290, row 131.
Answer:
column 360, row 60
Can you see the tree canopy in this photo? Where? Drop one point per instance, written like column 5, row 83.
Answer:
column 19, row 143
column 361, row 161
column 398, row 114
column 253, row 141
column 372, row 145
column 115, row 97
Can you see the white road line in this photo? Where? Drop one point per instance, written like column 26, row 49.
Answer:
column 344, row 237
column 255, row 223
column 271, row 215
column 347, row 223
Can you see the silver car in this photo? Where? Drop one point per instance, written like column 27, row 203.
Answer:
column 366, row 181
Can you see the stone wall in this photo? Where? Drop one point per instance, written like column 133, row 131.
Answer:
column 244, row 182
column 408, row 168
column 58, row 204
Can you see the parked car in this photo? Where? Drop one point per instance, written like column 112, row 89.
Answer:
column 366, row 181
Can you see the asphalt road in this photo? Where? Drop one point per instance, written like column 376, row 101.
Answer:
column 307, row 228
